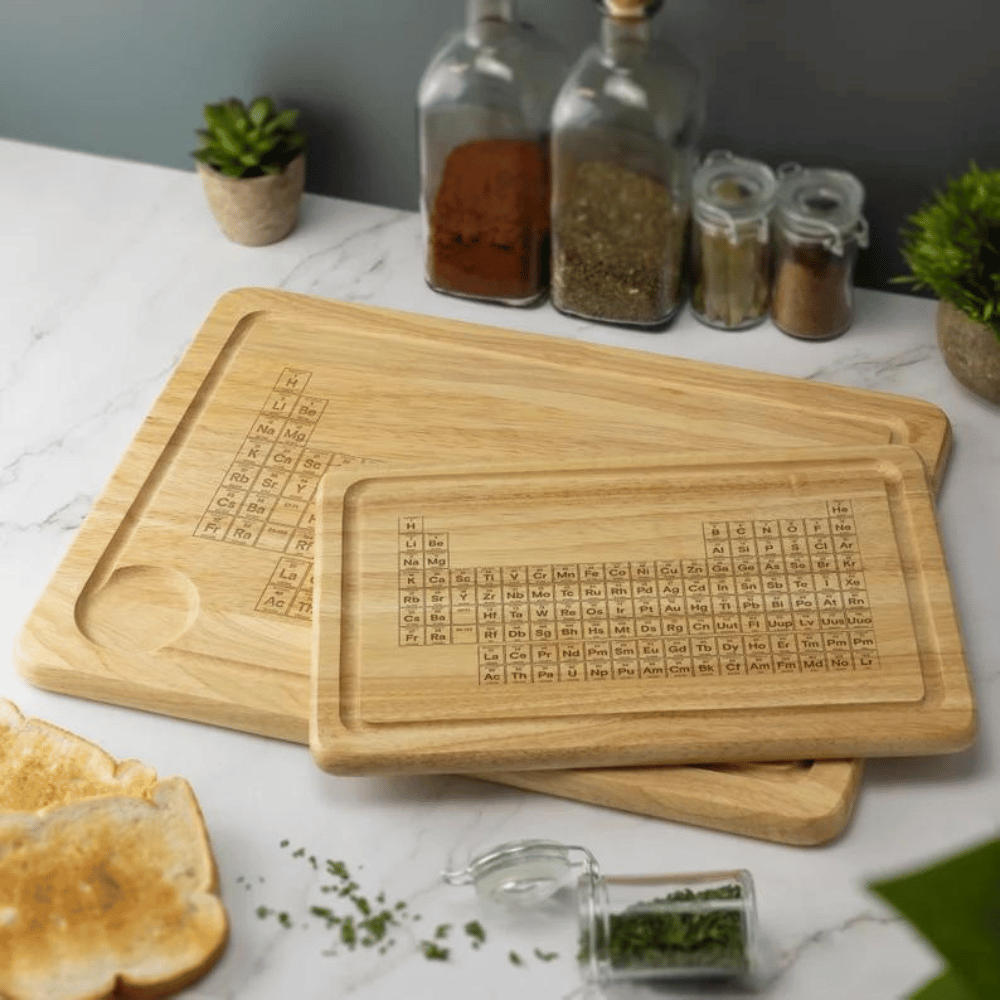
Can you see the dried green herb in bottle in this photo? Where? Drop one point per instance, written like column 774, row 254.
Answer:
column 704, row 929
column 655, row 936
column 618, row 245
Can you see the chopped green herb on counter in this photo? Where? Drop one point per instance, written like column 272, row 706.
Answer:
column 371, row 923
column 433, row 952
column 284, row 843
column 546, row 956
column 337, row 869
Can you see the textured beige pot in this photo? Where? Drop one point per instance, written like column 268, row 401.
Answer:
column 255, row 211
column 971, row 351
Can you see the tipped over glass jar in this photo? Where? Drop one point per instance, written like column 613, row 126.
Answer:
column 629, row 927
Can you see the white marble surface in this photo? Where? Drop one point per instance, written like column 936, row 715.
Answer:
column 106, row 271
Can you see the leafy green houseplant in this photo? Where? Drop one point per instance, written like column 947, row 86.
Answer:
column 952, row 247
column 954, row 904
column 252, row 166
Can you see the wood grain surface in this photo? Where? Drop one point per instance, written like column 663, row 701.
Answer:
column 693, row 609
column 187, row 591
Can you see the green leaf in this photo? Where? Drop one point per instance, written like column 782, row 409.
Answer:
column 229, row 142
column 216, row 116
column 261, row 108
column 286, row 119
column 955, row 905
column 947, row 986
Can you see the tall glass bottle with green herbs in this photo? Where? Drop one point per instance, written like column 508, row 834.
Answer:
column 624, row 132
column 483, row 109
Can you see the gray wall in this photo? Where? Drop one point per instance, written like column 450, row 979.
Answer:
column 902, row 94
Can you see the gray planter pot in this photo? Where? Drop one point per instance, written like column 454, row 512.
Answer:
column 971, row 351
column 255, row 211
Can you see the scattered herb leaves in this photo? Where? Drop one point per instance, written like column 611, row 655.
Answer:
column 372, row 923
column 433, row 952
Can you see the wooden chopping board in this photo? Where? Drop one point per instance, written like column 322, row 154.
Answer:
column 692, row 609
column 187, row 591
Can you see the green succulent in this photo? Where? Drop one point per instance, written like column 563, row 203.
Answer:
column 952, row 245
column 243, row 141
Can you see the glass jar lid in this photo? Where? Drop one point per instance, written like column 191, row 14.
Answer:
column 731, row 193
column 821, row 205
column 521, row 873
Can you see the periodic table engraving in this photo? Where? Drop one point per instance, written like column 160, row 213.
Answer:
column 266, row 497
column 771, row 596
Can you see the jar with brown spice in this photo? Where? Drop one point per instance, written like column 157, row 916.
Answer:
column 483, row 110
column 818, row 233
column 730, row 241
column 624, row 130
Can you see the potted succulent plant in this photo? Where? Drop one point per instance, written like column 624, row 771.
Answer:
column 952, row 247
column 252, row 167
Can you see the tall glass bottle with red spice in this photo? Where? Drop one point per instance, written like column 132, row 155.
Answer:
column 625, row 127
column 483, row 106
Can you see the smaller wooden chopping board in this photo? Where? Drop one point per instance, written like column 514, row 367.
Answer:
column 700, row 608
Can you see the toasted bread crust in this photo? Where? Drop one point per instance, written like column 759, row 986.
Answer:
column 108, row 896
column 108, row 884
column 42, row 765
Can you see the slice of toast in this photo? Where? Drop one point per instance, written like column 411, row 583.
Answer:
column 108, row 895
column 42, row 765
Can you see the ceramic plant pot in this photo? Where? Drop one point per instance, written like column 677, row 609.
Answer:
column 971, row 351
column 255, row 211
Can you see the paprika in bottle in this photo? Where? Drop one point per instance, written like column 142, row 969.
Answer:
column 483, row 112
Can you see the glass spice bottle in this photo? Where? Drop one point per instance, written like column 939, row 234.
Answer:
column 818, row 232
column 730, row 241
column 483, row 110
column 624, row 129
column 626, row 927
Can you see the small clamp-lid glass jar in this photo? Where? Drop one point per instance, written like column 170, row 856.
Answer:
column 819, row 230
column 629, row 927
column 730, row 241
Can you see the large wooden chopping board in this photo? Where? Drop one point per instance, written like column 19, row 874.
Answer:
column 693, row 609
column 187, row 589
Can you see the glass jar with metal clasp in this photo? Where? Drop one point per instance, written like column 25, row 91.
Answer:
column 621, row 927
column 818, row 233
column 730, row 255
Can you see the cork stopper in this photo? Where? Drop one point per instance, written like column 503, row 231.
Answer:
column 630, row 9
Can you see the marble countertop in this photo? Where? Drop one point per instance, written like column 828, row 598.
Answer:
column 107, row 269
